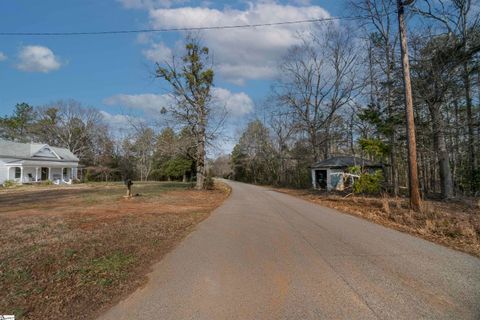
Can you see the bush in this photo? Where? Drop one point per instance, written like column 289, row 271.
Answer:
column 176, row 167
column 47, row 182
column 209, row 184
column 369, row 183
column 9, row 183
column 355, row 170
column 157, row 175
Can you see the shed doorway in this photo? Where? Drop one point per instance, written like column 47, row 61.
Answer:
column 321, row 179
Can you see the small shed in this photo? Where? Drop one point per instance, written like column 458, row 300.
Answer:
column 331, row 174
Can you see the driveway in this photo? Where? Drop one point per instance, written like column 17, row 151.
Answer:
column 267, row 255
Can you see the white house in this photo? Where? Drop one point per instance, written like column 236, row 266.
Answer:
column 34, row 162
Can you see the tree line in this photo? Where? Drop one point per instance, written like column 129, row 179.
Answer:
column 142, row 153
column 340, row 91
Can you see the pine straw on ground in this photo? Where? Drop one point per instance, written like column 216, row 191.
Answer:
column 69, row 253
column 453, row 224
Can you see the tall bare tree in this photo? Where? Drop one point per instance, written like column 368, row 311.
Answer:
column 69, row 124
column 434, row 79
column 191, row 80
column 317, row 79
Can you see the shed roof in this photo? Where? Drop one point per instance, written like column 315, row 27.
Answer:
column 345, row 162
column 17, row 150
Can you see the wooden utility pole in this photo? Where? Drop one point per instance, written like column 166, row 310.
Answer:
column 412, row 144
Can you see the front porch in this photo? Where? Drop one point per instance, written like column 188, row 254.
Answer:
column 35, row 174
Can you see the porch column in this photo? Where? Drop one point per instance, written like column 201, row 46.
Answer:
column 21, row 174
column 36, row 174
column 49, row 173
column 61, row 179
column 8, row 173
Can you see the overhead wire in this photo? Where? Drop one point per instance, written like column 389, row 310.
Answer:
column 178, row 29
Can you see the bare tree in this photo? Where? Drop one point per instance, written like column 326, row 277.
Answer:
column 283, row 128
column 70, row 125
column 143, row 147
column 317, row 79
column 191, row 80
column 434, row 80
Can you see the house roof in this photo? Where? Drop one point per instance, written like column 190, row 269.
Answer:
column 345, row 162
column 42, row 163
column 35, row 151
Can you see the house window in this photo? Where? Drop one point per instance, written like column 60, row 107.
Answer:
column 18, row 173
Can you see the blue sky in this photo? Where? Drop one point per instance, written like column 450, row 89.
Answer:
column 113, row 72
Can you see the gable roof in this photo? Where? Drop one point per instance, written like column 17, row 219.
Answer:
column 345, row 162
column 10, row 149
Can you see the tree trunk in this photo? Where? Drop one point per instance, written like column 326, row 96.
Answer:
column 446, row 183
column 313, row 142
column 392, row 141
column 326, row 144
column 433, row 174
column 457, row 144
column 471, row 138
column 201, row 154
column 184, row 177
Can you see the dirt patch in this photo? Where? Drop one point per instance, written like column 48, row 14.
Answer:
column 453, row 224
column 69, row 253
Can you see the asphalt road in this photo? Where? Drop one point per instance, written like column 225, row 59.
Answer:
column 267, row 255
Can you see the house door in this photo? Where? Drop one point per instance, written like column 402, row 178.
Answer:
column 44, row 175
column 321, row 178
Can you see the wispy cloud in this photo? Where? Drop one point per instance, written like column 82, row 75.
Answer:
column 37, row 59
column 115, row 120
column 158, row 52
column 236, row 104
column 3, row 56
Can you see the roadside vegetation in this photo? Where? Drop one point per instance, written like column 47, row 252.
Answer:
column 69, row 252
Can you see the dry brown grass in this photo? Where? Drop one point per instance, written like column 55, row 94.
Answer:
column 66, row 253
column 453, row 224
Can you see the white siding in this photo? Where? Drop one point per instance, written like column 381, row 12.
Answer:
column 3, row 172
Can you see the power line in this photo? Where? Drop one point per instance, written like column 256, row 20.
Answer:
column 243, row 26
